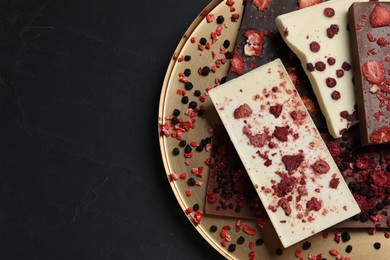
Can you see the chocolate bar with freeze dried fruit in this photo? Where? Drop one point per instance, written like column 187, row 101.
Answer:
column 370, row 50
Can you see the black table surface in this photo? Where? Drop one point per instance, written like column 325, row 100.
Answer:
column 81, row 176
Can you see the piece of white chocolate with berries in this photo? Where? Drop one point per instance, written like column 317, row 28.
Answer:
column 288, row 163
column 318, row 35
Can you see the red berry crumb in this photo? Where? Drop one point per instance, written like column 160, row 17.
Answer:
column 281, row 133
column 242, row 111
column 321, row 166
column 292, row 162
column 313, row 204
column 276, row 110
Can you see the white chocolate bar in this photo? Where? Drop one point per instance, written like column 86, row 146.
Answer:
column 291, row 168
column 307, row 26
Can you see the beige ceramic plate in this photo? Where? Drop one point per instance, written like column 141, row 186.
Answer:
column 178, row 165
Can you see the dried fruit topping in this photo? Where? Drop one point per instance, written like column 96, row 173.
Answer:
column 261, row 4
column 380, row 16
column 237, row 64
column 315, row 46
column 321, row 166
column 292, row 162
column 254, row 43
column 281, row 133
column 374, row 71
column 313, row 204
column 306, row 3
column 242, row 111
column 276, row 110
column 329, row 12
column 381, row 135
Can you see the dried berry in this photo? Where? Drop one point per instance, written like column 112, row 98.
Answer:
column 374, row 71
column 205, row 70
column 380, row 16
column 237, row 64
column 306, row 245
column 261, row 4
column 315, row 46
column 175, row 151
column 197, row 93
column 329, row 12
column 188, row 85
column 377, row 245
column 335, row 95
column 213, row 228
column 242, row 111
column 320, row 66
column 184, row 100
column 331, row 61
column 348, row 249
column 259, row 242
column 232, row 248
column 226, row 44
column 330, row 82
column 187, row 72
column 292, row 162
column 182, row 143
column 279, row 252
column 241, row 240
column 345, row 236
column 191, row 182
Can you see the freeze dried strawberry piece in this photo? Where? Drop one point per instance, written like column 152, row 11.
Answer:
column 374, row 71
column 334, row 183
column 293, row 76
column 382, row 42
column 292, row 162
column 380, row 16
column 254, row 43
column 283, row 203
column 261, row 4
column 242, row 111
column 310, row 106
column 276, row 110
column 258, row 140
column 313, row 204
column 306, row 3
column 381, row 135
column 237, row 64
column 281, row 133
column 321, row 166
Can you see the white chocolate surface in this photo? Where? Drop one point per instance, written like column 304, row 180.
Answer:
column 257, row 90
column 299, row 29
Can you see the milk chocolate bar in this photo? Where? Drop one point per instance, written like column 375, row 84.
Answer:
column 370, row 44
